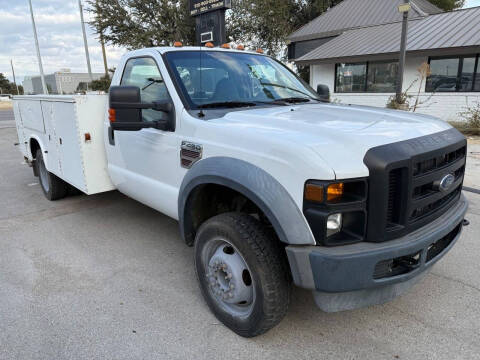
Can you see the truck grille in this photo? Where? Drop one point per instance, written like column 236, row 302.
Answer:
column 404, row 183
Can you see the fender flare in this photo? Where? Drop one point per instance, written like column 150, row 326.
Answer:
column 42, row 148
column 254, row 183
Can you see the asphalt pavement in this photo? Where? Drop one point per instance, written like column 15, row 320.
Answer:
column 104, row 277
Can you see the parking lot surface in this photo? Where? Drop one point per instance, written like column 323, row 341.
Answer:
column 92, row 277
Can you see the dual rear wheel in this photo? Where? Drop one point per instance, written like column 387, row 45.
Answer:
column 52, row 186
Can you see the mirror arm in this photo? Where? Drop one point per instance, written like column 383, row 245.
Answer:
column 154, row 106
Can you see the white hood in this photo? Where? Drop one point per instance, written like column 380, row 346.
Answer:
column 340, row 134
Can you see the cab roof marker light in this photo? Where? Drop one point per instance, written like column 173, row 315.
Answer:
column 178, row 44
column 225, row 46
column 260, row 51
column 240, row 47
column 209, row 45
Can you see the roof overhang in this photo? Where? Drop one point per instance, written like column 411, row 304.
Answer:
column 454, row 51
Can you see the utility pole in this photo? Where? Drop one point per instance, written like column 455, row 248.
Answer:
column 40, row 66
column 14, row 80
column 85, row 40
column 403, row 8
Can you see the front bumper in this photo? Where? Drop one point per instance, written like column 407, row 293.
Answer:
column 351, row 276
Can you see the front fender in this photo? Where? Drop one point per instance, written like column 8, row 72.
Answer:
column 254, row 183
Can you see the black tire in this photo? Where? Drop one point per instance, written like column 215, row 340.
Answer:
column 52, row 186
column 266, row 260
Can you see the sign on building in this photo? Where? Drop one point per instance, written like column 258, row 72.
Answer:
column 198, row 7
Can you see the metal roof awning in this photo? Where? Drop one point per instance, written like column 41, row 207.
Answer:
column 453, row 30
column 353, row 14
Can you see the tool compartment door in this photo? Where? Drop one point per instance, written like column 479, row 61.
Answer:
column 68, row 144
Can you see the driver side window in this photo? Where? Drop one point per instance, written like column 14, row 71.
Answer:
column 144, row 73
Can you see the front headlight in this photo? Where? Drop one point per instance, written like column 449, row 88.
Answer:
column 336, row 211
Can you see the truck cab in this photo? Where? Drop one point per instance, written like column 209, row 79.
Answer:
column 273, row 185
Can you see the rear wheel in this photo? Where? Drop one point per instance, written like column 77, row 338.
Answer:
column 53, row 187
column 242, row 273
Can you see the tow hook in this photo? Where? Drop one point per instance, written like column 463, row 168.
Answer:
column 465, row 222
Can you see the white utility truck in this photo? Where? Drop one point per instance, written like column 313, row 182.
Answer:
column 270, row 183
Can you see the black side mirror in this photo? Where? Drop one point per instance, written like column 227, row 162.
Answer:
column 324, row 92
column 126, row 106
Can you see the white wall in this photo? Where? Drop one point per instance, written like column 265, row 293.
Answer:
column 445, row 106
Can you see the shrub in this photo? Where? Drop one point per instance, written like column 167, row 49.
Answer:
column 471, row 120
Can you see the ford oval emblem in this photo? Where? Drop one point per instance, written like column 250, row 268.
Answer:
column 446, row 182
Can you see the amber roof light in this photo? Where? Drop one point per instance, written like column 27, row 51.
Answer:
column 177, row 44
column 209, row 45
column 240, row 47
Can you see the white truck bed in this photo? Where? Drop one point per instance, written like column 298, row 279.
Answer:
column 60, row 124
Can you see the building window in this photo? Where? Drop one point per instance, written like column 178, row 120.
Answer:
column 351, row 77
column 379, row 76
column 453, row 74
column 382, row 77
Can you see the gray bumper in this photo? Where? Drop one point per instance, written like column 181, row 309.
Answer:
column 347, row 277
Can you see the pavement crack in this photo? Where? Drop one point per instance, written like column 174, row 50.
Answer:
column 456, row 280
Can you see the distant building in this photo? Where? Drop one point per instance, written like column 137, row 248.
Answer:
column 354, row 49
column 60, row 82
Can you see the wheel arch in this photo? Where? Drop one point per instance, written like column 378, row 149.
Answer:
column 254, row 184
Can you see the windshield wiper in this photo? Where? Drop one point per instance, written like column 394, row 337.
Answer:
column 152, row 81
column 226, row 104
column 292, row 100
column 289, row 88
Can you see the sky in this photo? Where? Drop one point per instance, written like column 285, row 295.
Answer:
column 59, row 35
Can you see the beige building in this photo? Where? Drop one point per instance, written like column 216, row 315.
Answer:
column 60, row 82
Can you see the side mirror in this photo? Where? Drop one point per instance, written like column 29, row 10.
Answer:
column 126, row 106
column 324, row 92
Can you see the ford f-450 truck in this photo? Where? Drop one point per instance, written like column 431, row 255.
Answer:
column 271, row 184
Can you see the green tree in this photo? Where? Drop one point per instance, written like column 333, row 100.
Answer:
column 448, row 5
column 7, row 87
column 143, row 23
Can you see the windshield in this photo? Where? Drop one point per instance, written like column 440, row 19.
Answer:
column 210, row 79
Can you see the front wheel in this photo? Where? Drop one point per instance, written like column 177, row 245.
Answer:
column 242, row 273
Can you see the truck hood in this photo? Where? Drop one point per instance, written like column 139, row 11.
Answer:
column 340, row 134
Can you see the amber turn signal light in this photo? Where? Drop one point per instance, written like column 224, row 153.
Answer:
column 112, row 115
column 335, row 192
column 314, row 193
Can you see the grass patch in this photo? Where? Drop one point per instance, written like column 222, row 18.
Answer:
column 465, row 128
column 6, row 105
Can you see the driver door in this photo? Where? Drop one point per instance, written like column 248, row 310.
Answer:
column 145, row 163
